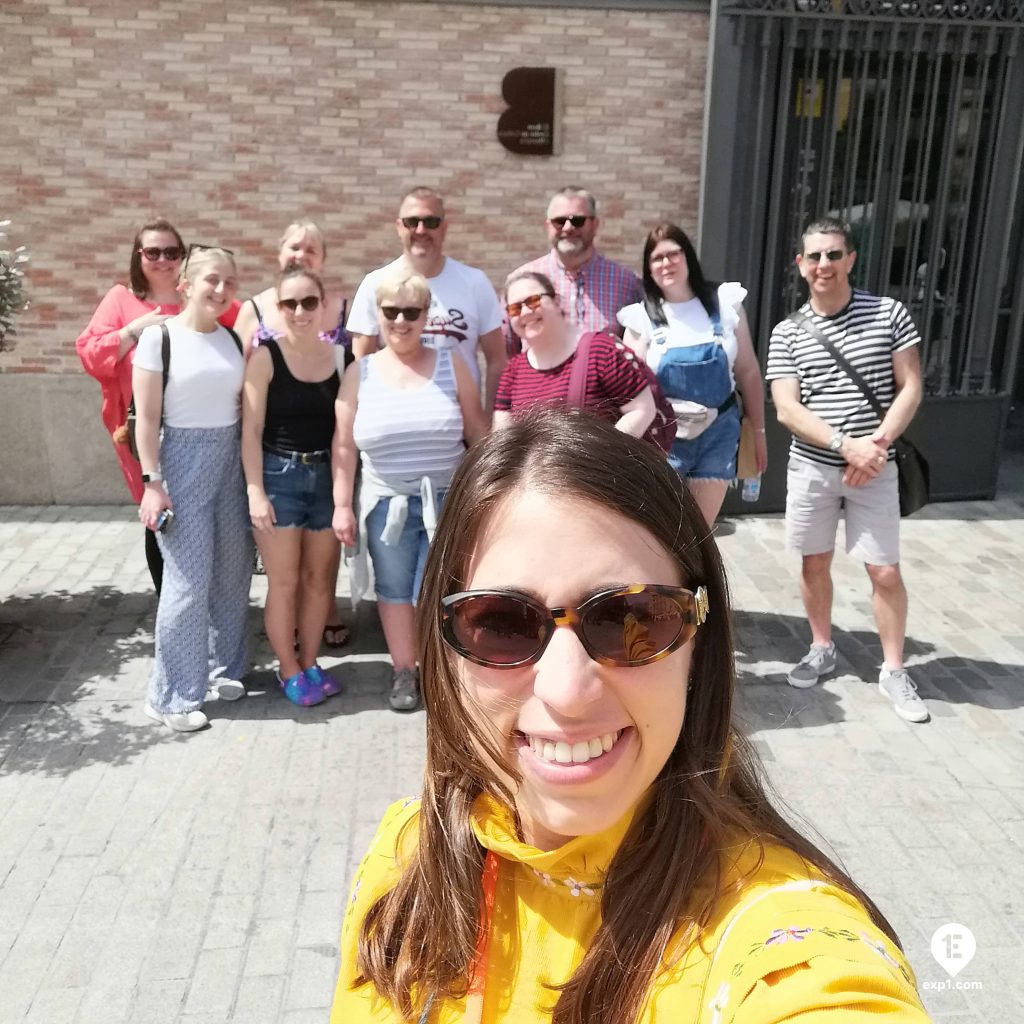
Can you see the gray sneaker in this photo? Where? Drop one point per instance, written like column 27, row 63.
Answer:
column 817, row 662
column 902, row 691
column 405, row 690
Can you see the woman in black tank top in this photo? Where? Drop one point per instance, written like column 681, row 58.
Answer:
column 287, row 425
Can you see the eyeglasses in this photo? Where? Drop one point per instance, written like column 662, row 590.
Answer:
column 626, row 627
column 531, row 302
column 577, row 222
column 666, row 256
column 409, row 312
column 199, row 247
column 154, row 252
column 430, row 223
column 307, row 302
column 833, row 255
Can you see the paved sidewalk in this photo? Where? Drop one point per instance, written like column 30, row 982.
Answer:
column 147, row 877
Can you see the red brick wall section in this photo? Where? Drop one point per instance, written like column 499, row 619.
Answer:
column 233, row 118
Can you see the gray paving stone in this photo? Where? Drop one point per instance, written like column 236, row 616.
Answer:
column 212, row 869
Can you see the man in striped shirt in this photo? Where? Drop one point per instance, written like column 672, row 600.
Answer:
column 591, row 289
column 841, row 461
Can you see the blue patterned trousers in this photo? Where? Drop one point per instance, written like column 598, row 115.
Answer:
column 207, row 549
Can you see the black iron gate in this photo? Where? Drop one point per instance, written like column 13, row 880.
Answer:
column 907, row 119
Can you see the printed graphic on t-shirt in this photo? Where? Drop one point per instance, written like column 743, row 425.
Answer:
column 445, row 328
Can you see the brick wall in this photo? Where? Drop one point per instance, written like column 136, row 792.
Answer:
column 232, row 118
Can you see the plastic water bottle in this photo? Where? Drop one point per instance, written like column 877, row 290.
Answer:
column 752, row 488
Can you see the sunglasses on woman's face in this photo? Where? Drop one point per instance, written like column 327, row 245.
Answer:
column 154, row 252
column 409, row 312
column 307, row 302
column 531, row 302
column 626, row 627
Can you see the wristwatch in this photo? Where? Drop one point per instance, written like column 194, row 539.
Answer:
column 152, row 478
column 835, row 442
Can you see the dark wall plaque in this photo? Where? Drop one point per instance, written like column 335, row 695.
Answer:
column 530, row 125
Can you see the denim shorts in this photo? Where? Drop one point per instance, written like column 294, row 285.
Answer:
column 712, row 455
column 398, row 569
column 300, row 493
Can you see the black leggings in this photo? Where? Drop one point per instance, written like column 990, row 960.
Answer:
column 154, row 560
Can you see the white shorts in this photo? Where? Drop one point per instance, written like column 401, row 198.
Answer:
column 816, row 497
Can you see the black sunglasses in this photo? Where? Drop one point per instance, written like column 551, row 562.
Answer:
column 154, row 252
column 577, row 222
column 307, row 302
column 626, row 627
column 430, row 223
column 531, row 302
column 833, row 255
column 409, row 312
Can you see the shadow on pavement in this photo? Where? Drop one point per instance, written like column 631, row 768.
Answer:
column 768, row 645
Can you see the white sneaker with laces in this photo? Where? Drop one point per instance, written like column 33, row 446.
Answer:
column 186, row 721
column 902, row 691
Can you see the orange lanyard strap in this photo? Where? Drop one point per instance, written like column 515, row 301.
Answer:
column 474, row 1012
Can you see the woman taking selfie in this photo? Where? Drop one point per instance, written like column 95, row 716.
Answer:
column 193, row 470
column 694, row 336
column 594, row 844
column 548, row 371
column 403, row 412
column 291, row 384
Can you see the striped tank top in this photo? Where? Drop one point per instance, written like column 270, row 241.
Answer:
column 404, row 434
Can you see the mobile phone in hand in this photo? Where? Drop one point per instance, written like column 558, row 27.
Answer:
column 164, row 520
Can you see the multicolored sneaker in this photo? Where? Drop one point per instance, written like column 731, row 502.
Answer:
column 316, row 675
column 301, row 690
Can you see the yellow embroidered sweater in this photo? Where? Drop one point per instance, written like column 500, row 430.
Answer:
column 788, row 947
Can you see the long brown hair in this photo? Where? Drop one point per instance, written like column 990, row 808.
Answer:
column 139, row 284
column 421, row 936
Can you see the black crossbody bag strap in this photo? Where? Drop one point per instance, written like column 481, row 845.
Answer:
column 804, row 322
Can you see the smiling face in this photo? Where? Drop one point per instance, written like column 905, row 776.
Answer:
column 826, row 278
column 560, row 551
column 402, row 335
column 534, row 325
column 303, row 249
column 212, row 284
column 162, row 273
column 293, row 291
column 566, row 240
column 420, row 243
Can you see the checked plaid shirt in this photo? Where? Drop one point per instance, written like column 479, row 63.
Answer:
column 590, row 296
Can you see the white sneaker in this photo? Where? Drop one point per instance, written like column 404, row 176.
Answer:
column 226, row 689
column 817, row 662
column 186, row 721
column 902, row 691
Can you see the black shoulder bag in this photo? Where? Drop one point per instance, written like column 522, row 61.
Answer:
column 911, row 465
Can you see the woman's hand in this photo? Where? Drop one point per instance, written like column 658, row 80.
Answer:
column 761, row 451
column 154, row 500
column 344, row 524
column 140, row 323
column 261, row 511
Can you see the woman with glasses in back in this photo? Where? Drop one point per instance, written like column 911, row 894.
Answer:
column 106, row 347
column 594, row 843
column 549, row 371
column 291, row 384
column 188, row 435
column 303, row 245
column 403, row 413
column 694, row 336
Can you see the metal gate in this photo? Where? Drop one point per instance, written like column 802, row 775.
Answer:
column 904, row 117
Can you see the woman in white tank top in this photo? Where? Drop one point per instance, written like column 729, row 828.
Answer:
column 402, row 414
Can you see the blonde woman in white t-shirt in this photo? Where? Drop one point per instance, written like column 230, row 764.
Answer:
column 695, row 337
column 195, row 494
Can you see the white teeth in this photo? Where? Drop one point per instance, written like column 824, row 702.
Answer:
column 573, row 753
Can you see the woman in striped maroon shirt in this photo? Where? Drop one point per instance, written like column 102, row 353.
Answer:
column 615, row 388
